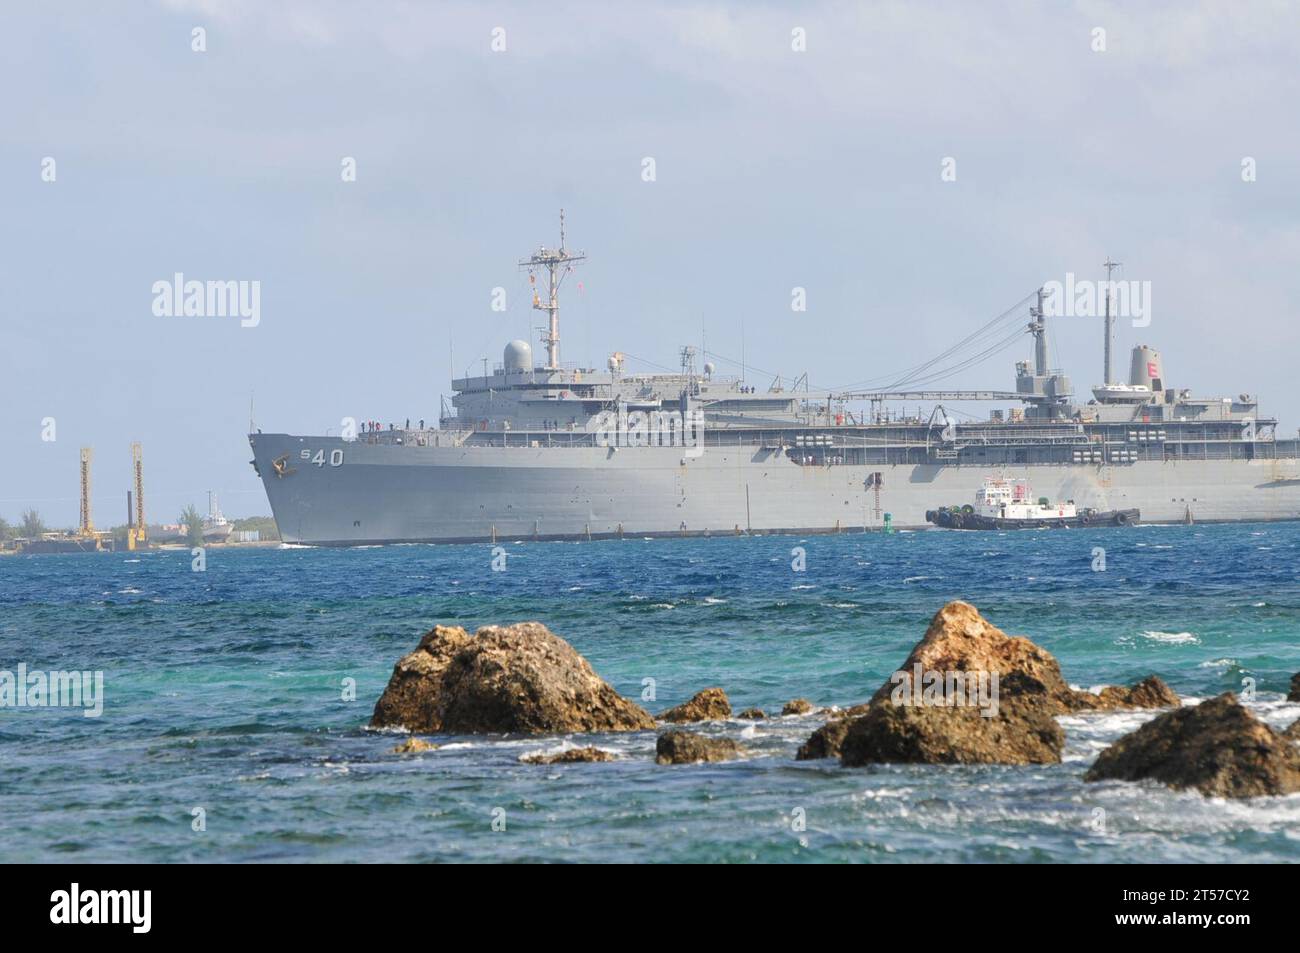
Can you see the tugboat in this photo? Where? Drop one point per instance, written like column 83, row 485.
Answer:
column 1010, row 504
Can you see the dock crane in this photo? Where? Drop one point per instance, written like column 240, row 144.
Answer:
column 137, row 536
column 86, row 523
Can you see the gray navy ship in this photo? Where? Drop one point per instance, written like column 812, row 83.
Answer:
column 546, row 451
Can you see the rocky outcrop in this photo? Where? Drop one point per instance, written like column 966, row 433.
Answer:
column 826, row 741
column 959, row 639
column 1023, row 731
column 797, row 706
column 1216, row 747
column 413, row 697
column 752, row 714
column 414, row 745
column 707, row 705
column 517, row 678
column 968, row 693
column 1293, row 731
column 1151, row 692
column 1294, row 694
column 688, row 747
column 569, row 756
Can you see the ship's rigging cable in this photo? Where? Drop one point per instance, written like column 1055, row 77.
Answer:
column 1011, row 317
column 949, row 371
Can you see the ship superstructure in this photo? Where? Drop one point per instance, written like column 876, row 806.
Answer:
column 539, row 449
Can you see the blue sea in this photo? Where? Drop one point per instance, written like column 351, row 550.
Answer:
column 229, row 732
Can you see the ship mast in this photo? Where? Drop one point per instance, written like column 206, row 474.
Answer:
column 1110, row 319
column 558, row 263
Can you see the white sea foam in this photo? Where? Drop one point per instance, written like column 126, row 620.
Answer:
column 1171, row 638
column 1219, row 663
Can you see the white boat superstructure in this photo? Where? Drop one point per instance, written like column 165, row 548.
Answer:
column 1014, row 500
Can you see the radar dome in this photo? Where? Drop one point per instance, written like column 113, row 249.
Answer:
column 709, row 368
column 518, row 357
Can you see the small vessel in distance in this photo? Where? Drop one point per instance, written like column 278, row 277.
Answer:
column 1010, row 504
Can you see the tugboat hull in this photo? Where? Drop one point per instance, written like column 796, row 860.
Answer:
column 959, row 519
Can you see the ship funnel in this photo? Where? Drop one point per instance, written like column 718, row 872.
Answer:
column 1147, row 368
column 518, row 357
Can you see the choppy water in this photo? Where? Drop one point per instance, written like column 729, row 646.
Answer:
column 224, row 692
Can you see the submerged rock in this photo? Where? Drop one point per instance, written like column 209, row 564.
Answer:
column 753, row 714
column 825, row 742
column 1294, row 694
column 412, row 745
column 688, row 747
column 1216, row 747
column 1151, row 692
column 570, row 756
column 516, row 678
column 797, row 706
column 706, row 705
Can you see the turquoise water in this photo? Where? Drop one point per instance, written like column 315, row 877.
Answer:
column 224, row 691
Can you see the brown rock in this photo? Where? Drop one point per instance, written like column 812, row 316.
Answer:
column 959, row 639
column 413, row 745
column 825, row 742
column 1294, row 694
column 688, row 747
column 413, row 697
column 571, row 756
column 753, row 714
column 706, row 705
column 1217, row 747
column 945, row 725
column 1293, row 732
column 1151, row 692
column 798, row 706
column 517, row 678
column 1010, row 721
column 1022, row 732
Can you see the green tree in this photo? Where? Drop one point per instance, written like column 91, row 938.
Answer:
column 5, row 529
column 33, row 525
column 192, row 520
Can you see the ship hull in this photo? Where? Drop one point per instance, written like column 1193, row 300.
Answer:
column 385, row 493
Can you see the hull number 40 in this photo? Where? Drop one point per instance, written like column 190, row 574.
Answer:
column 319, row 459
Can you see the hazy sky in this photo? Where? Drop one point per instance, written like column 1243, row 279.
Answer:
column 775, row 168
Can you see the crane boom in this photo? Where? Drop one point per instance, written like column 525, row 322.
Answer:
column 931, row 395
